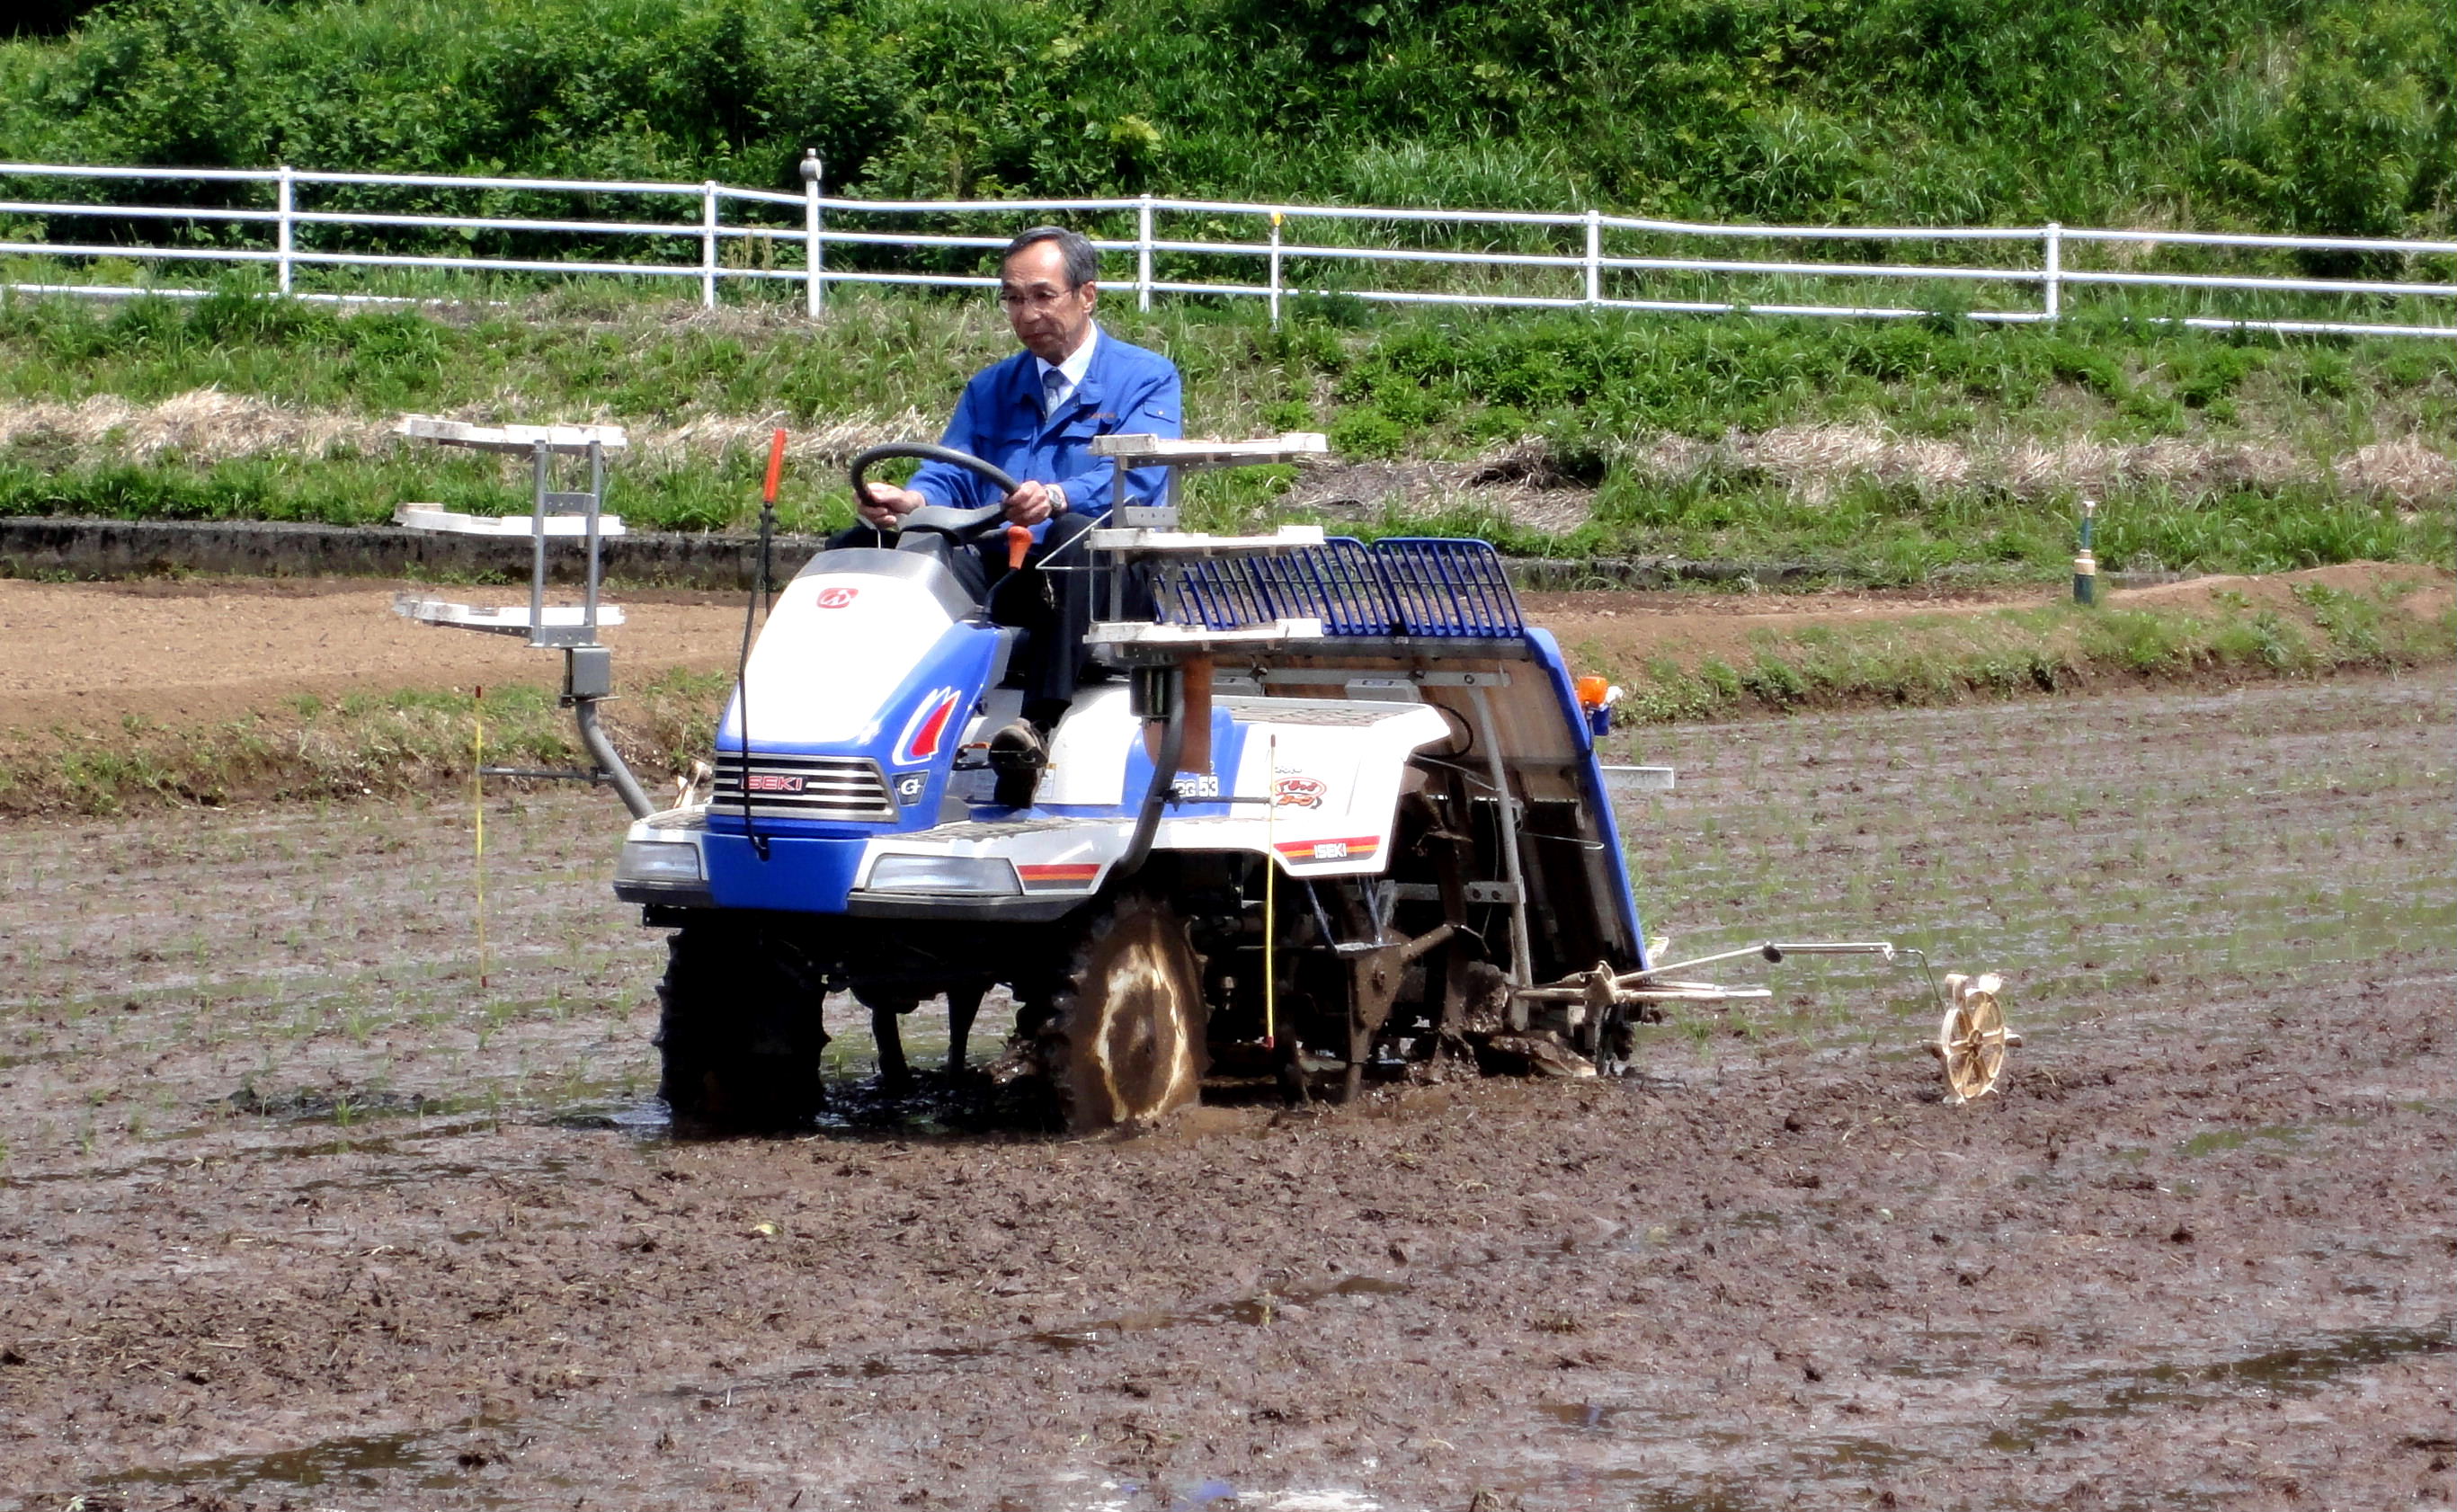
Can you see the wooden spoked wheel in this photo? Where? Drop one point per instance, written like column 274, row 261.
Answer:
column 1972, row 1041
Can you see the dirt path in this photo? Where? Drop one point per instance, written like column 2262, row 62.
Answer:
column 209, row 650
column 88, row 654
column 296, row 1212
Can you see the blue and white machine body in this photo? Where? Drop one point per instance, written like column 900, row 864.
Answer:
column 1344, row 676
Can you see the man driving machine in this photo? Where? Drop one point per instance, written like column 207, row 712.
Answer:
column 1033, row 416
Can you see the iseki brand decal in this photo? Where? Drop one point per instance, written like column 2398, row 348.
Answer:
column 1297, row 793
column 1357, row 847
column 909, row 786
column 773, row 782
column 837, row 597
column 927, row 728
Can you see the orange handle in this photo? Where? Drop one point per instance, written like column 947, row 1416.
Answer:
column 776, row 464
column 1019, row 541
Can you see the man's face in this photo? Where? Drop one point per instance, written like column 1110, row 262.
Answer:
column 1049, row 317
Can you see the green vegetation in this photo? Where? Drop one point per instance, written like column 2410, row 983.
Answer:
column 1947, row 658
column 2322, row 116
column 1881, row 451
column 1878, row 452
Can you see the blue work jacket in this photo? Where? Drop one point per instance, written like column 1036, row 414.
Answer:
column 1126, row 391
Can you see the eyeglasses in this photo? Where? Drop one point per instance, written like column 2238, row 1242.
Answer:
column 1035, row 299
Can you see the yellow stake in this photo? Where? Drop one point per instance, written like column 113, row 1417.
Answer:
column 478, row 815
column 1270, row 893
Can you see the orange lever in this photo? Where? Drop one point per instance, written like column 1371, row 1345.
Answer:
column 775, row 466
column 1019, row 541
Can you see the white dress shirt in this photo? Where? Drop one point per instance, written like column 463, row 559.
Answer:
column 1070, row 375
column 1070, row 372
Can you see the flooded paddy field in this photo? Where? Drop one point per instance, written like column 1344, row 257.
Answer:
column 309, row 1199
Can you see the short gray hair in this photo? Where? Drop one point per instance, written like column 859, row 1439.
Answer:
column 1082, row 259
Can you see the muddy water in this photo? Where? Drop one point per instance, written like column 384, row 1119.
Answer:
column 307, row 1200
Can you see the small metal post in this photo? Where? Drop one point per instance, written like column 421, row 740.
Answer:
column 596, row 515
column 1143, row 254
column 2085, row 564
column 1595, row 258
column 815, row 254
column 2053, row 284
column 1522, row 966
column 1276, row 218
column 538, row 479
column 707, row 243
column 284, row 229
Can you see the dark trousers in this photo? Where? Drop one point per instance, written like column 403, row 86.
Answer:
column 1052, row 606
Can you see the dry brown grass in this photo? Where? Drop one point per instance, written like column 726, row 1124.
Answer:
column 209, row 425
column 1516, row 479
column 1813, row 462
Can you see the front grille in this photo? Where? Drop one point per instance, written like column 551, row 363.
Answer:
column 846, row 789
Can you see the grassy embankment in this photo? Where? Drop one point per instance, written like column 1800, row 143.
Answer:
column 1877, row 453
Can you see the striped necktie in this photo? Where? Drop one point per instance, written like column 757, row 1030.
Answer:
column 1052, row 381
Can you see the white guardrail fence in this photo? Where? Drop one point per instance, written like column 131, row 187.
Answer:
column 1599, row 276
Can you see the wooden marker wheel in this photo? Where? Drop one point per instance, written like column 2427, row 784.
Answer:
column 1971, row 1040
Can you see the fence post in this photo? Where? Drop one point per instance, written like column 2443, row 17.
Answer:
column 1276, row 218
column 815, row 256
column 285, row 231
column 1595, row 257
column 1142, row 255
column 2053, row 285
column 707, row 243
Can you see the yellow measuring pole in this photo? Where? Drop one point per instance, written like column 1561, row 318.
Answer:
column 477, row 816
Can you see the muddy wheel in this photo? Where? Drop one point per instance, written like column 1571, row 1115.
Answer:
column 1970, row 1042
column 739, row 1031
column 1124, row 1042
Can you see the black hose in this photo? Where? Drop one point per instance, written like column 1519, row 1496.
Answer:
column 1173, row 745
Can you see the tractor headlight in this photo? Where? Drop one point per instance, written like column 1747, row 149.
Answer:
column 977, row 876
column 659, row 863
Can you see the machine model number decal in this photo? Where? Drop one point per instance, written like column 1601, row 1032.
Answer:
column 927, row 728
column 773, row 782
column 1297, row 793
column 909, row 786
column 837, row 597
column 1196, row 785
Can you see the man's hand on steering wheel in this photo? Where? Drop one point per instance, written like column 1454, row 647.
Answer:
column 887, row 504
column 1032, row 502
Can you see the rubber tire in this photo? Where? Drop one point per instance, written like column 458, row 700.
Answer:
column 740, row 1032
column 1124, row 1041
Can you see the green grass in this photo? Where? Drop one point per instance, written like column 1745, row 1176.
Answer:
column 1945, row 659
column 1602, row 397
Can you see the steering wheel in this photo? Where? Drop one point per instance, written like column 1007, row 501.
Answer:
column 956, row 524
